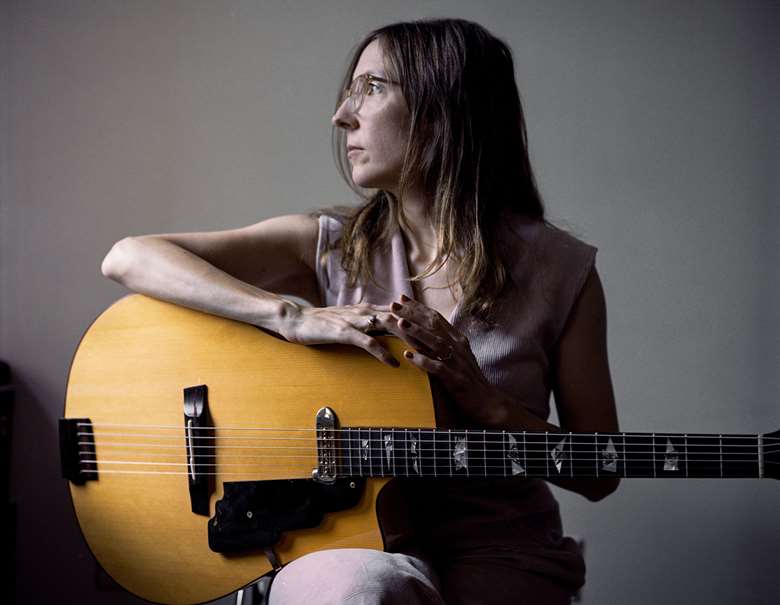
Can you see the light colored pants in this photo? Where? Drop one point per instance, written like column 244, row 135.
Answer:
column 356, row 576
column 359, row 576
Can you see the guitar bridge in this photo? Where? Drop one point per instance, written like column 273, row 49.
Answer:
column 198, row 431
column 326, row 446
column 77, row 450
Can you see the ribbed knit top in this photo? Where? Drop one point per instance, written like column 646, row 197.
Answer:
column 548, row 269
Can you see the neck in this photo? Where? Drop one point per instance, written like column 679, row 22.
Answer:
column 417, row 226
column 480, row 453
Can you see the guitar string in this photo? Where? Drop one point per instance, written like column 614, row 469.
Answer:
column 476, row 436
column 585, row 447
column 586, row 462
column 439, row 431
column 750, row 450
column 485, row 456
column 305, row 473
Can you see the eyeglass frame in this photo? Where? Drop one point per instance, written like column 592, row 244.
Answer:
column 350, row 92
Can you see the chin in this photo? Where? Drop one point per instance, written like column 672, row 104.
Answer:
column 372, row 179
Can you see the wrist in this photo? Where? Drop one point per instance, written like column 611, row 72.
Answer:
column 277, row 314
column 501, row 412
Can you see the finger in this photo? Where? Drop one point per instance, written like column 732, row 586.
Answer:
column 374, row 347
column 424, row 362
column 384, row 322
column 420, row 314
column 431, row 341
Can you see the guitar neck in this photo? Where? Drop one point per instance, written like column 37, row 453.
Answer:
column 407, row 452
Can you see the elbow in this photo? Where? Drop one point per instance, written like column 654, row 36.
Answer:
column 116, row 262
column 601, row 489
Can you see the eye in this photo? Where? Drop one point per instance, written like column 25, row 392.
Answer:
column 374, row 87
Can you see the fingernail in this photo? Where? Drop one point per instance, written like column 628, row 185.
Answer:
column 405, row 298
column 395, row 307
column 408, row 354
column 404, row 324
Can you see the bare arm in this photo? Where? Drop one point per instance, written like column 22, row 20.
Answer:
column 580, row 375
column 227, row 273
column 581, row 383
column 240, row 274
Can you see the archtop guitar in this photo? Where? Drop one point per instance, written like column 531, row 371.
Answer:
column 202, row 452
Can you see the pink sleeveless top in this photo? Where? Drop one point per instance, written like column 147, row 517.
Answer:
column 517, row 516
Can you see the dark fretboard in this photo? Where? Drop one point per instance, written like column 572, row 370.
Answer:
column 399, row 452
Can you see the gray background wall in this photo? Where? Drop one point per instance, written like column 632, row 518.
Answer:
column 654, row 132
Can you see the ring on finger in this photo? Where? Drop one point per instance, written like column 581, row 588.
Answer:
column 371, row 323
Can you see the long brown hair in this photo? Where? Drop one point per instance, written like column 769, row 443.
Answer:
column 467, row 146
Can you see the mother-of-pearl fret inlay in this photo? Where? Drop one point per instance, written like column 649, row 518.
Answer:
column 670, row 457
column 414, row 455
column 364, row 448
column 389, row 448
column 609, row 457
column 558, row 454
column 514, row 455
column 460, row 453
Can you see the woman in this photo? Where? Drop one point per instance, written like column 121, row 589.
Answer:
column 451, row 253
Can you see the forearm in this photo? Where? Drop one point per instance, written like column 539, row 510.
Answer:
column 161, row 269
column 505, row 414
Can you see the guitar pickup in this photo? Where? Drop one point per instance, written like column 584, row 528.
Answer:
column 200, row 450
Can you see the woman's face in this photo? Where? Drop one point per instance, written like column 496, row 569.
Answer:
column 377, row 133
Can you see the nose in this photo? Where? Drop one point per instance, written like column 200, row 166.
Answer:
column 344, row 116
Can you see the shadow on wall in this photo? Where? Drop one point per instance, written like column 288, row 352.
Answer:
column 53, row 562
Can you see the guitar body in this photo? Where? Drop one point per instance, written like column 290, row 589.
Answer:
column 130, row 369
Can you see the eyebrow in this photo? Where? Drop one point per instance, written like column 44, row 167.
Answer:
column 378, row 74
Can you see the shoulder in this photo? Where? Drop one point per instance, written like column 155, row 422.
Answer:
column 549, row 266
column 543, row 244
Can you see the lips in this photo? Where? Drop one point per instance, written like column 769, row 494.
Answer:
column 353, row 148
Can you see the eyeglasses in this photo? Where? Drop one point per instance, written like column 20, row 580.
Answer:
column 364, row 84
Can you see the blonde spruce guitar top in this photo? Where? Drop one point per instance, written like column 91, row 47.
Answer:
column 128, row 377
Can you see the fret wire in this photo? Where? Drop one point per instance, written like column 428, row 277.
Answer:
column 655, row 470
column 435, row 471
column 503, row 450
column 546, row 459
column 360, row 454
column 721, row 454
column 406, row 450
column 686, row 454
column 571, row 455
column 368, row 451
column 525, row 454
column 419, row 459
column 381, row 456
column 596, row 446
column 392, row 436
column 625, row 465
column 449, row 441
column 351, row 449
column 466, row 439
column 484, row 452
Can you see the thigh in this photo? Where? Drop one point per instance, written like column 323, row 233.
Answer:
column 494, row 582
column 356, row 576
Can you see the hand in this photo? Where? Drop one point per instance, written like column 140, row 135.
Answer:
column 349, row 324
column 444, row 352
